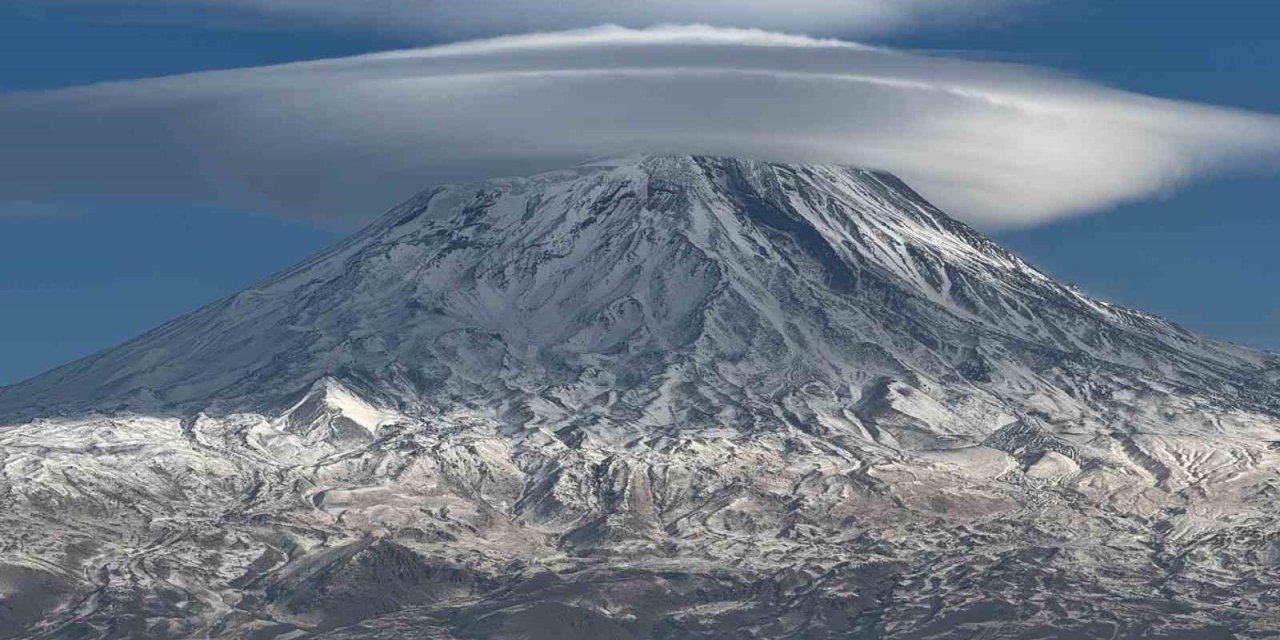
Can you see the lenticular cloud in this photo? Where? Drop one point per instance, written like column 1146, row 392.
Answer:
column 481, row 17
column 334, row 140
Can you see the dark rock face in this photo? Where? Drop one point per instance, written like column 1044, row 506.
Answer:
column 29, row 594
column 649, row 398
column 368, row 579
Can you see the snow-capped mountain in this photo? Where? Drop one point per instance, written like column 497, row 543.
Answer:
column 655, row 397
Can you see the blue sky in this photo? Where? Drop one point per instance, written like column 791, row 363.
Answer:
column 75, row 279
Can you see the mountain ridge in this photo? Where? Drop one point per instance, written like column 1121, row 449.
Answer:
column 962, row 243
column 656, row 397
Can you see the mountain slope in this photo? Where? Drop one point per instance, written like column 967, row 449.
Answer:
column 649, row 397
column 495, row 293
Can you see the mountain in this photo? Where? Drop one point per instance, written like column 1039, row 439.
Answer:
column 652, row 397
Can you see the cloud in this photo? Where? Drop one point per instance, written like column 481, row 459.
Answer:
column 489, row 17
column 335, row 141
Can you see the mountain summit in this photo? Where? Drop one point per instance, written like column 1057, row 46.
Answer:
column 650, row 397
column 654, row 294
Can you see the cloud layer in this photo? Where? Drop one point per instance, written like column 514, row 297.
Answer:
column 488, row 17
column 336, row 141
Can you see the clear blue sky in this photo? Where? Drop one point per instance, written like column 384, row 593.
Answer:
column 76, row 281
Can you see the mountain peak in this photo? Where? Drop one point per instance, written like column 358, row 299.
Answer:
column 651, row 397
column 634, row 294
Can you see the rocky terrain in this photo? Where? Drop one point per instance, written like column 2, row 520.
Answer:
column 653, row 397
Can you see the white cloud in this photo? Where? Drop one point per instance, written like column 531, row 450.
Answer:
column 337, row 140
column 454, row 18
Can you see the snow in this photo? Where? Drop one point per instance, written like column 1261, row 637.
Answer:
column 683, row 368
